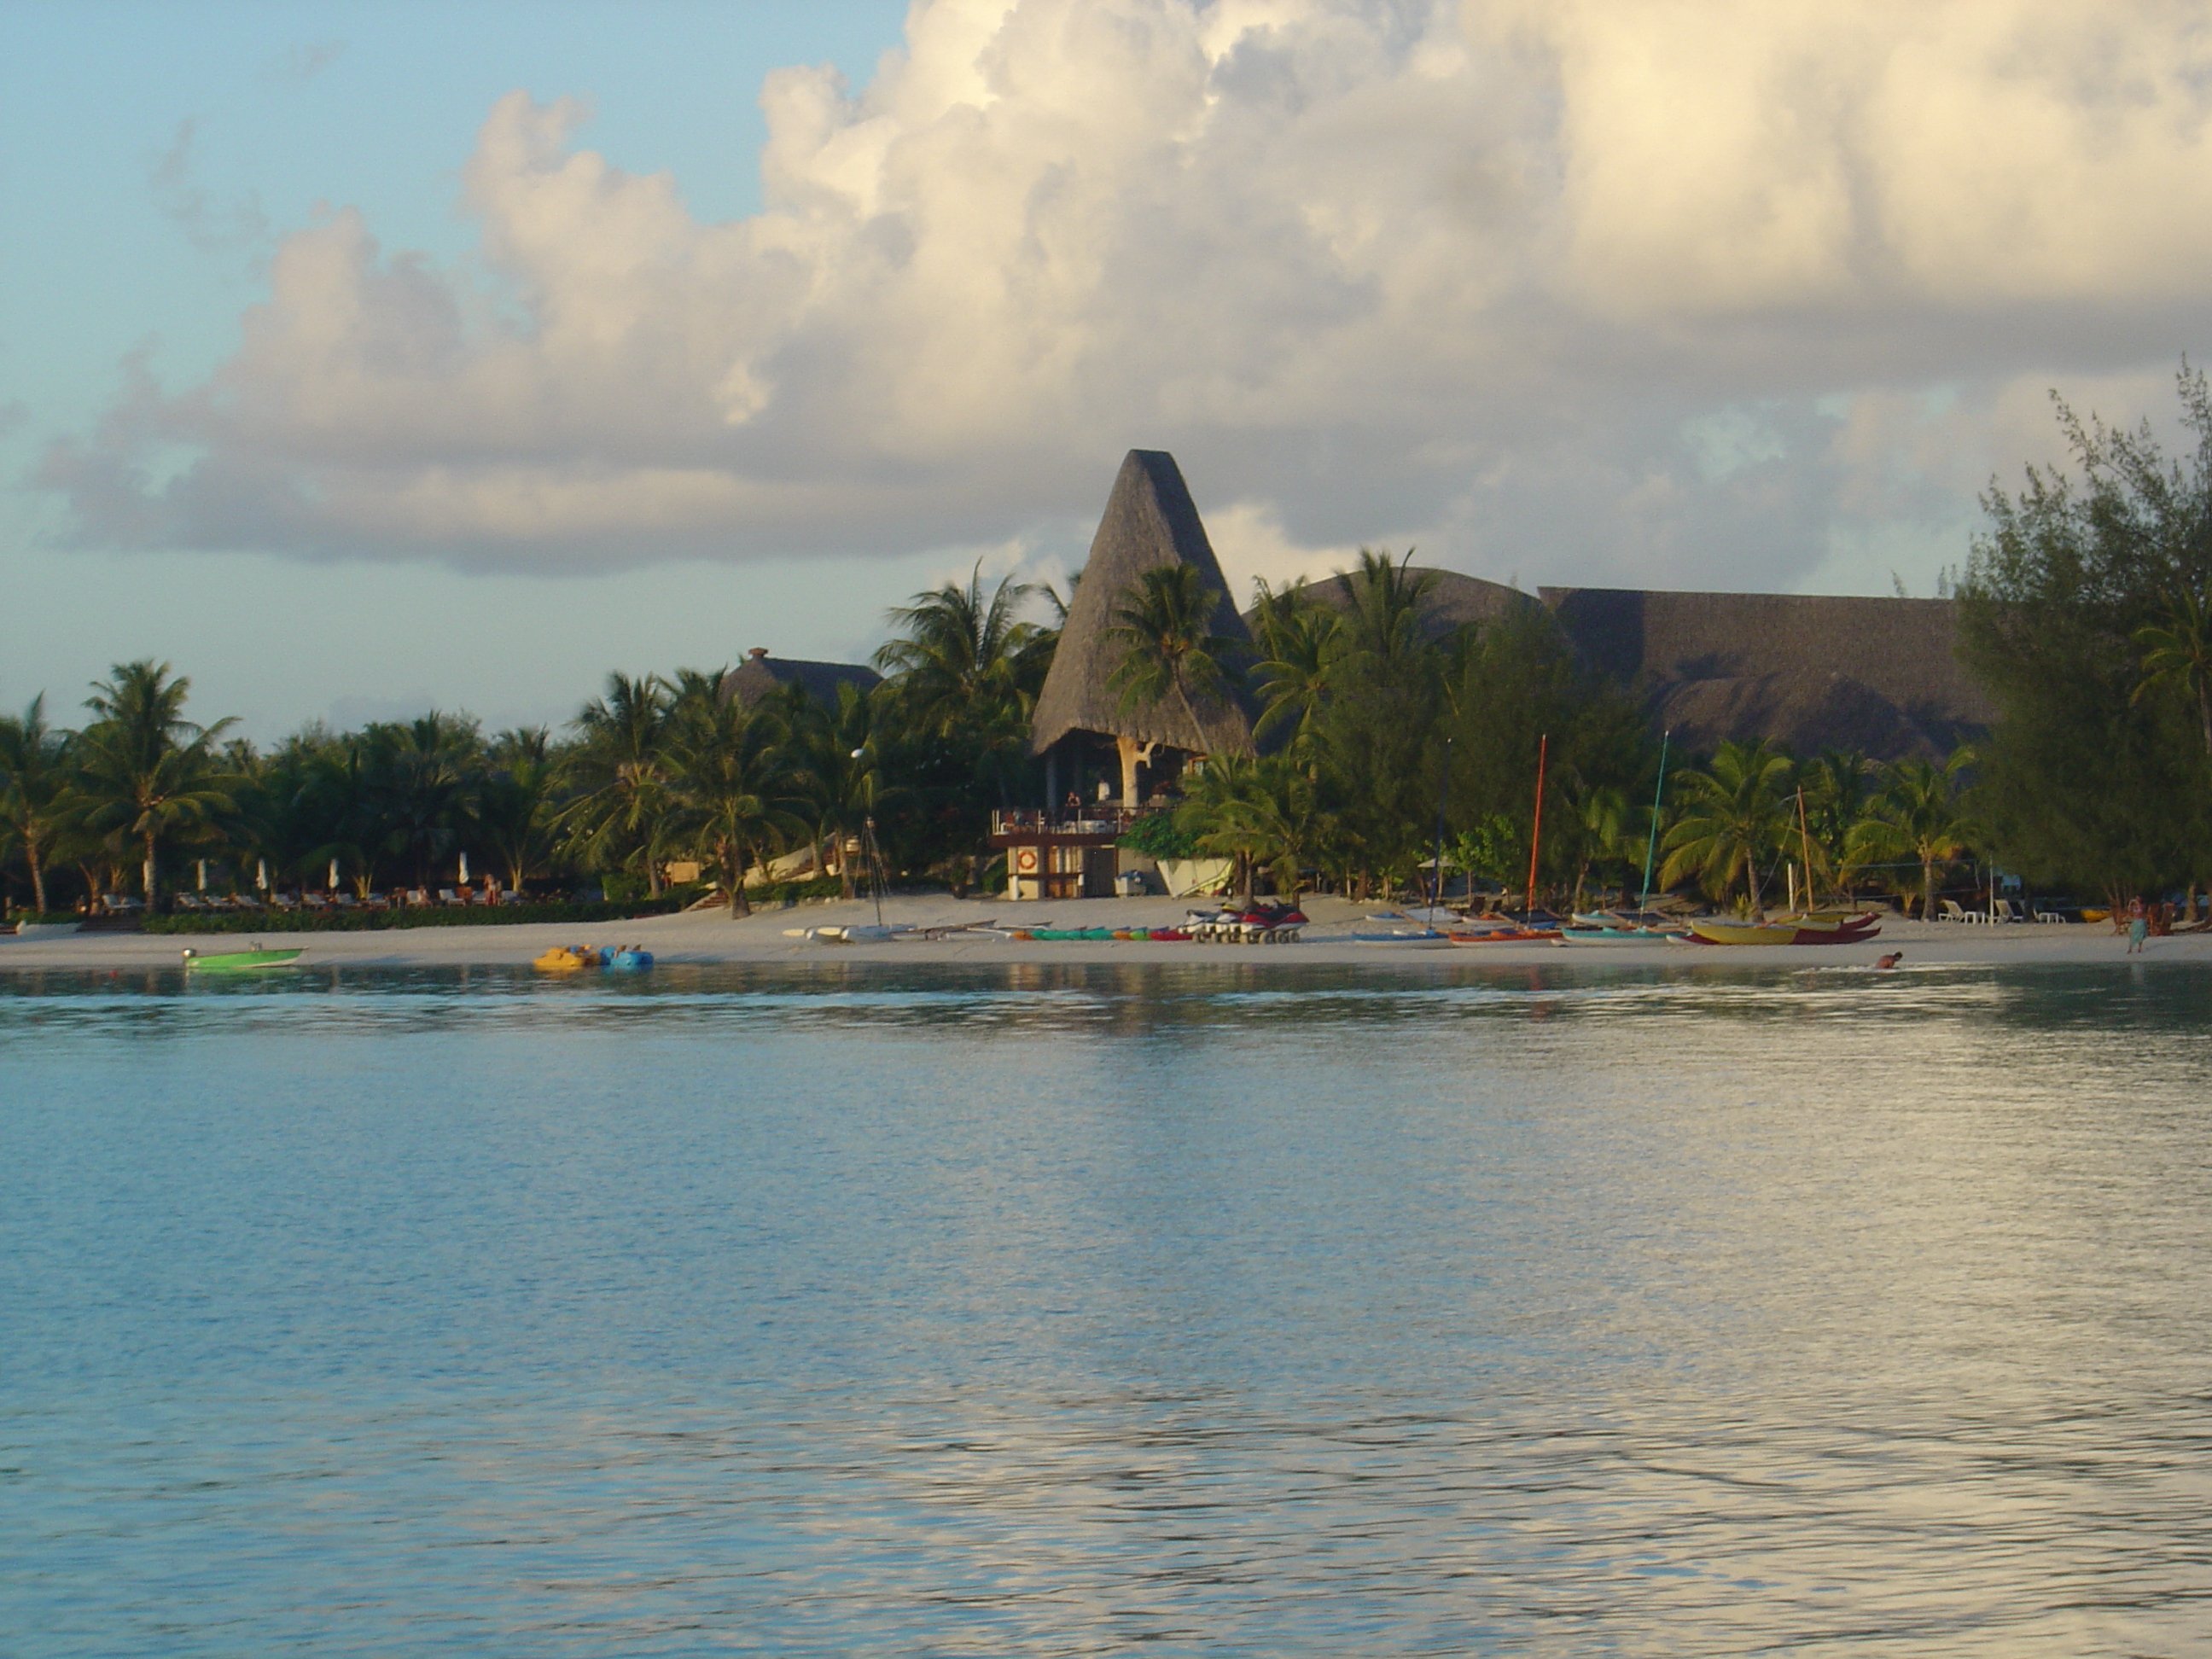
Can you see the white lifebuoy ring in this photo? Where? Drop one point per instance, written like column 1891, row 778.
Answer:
column 1025, row 861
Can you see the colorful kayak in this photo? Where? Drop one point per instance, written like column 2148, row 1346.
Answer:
column 562, row 959
column 231, row 962
column 1502, row 935
column 1782, row 933
column 1614, row 935
column 631, row 960
column 1425, row 939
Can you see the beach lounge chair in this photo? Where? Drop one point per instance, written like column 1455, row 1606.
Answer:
column 1953, row 913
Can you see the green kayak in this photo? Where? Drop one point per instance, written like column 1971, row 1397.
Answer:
column 232, row 961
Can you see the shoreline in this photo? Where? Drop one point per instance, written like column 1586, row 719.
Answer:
column 712, row 938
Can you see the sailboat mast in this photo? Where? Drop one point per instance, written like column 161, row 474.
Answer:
column 1805, row 839
column 1651, row 842
column 1537, row 832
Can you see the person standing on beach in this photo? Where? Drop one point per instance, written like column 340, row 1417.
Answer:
column 2138, row 926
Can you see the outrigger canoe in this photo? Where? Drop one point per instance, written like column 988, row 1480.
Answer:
column 1502, row 935
column 232, row 962
column 1615, row 935
column 1808, row 931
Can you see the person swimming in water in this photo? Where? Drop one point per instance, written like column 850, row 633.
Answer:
column 1889, row 961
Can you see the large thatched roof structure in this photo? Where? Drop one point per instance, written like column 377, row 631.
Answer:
column 1150, row 520
column 1452, row 601
column 1879, row 675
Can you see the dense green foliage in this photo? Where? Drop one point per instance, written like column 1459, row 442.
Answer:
column 1380, row 737
column 657, row 772
column 2084, row 610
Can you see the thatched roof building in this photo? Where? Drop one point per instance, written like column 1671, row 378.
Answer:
column 759, row 674
column 1878, row 674
column 1452, row 601
column 1150, row 520
column 1810, row 672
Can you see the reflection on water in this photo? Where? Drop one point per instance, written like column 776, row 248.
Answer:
column 1061, row 1309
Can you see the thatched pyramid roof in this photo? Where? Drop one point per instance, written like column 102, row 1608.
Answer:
column 1150, row 520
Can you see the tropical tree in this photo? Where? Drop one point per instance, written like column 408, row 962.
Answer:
column 839, row 770
column 1163, row 626
column 338, row 798
column 1297, row 673
column 34, row 778
column 618, row 776
column 427, row 778
column 1607, row 829
column 964, row 659
column 2084, row 598
column 1221, row 809
column 516, row 800
column 734, row 798
column 2177, row 653
column 1728, row 817
column 1919, row 813
column 145, row 774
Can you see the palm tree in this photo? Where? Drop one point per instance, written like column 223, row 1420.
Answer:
column 33, row 787
column 963, row 662
column 1220, row 810
column 619, row 771
column 840, row 771
column 1608, row 830
column 338, row 797
column 1726, row 819
column 1918, row 814
column 1164, row 628
column 428, row 783
column 734, row 796
column 145, row 773
column 516, row 803
column 1837, row 785
column 1384, row 603
column 1300, row 642
column 2177, row 651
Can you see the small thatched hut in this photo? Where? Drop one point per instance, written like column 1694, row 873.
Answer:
column 1149, row 521
column 760, row 674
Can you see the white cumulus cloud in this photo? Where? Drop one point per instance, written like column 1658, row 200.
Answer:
column 1681, row 292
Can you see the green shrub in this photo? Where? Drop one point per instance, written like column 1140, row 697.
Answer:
column 1155, row 837
column 43, row 917
column 435, row 915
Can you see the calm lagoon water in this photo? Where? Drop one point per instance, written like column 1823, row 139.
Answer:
column 1065, row 1311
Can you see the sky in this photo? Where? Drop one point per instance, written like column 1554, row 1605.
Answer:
column 358, row 359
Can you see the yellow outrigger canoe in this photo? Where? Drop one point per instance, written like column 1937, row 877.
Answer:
column 1827, row 928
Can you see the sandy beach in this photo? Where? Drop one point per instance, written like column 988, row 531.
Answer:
column 714, row 937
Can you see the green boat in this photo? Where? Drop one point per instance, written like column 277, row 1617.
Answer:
column 231, row 962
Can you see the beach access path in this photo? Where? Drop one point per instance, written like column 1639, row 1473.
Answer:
column 713, row 936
